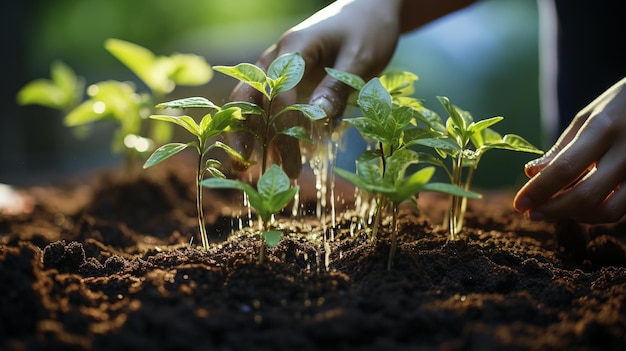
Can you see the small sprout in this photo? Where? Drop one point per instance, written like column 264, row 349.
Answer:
column 210, row 126
column 283, row 74
column 273, row 193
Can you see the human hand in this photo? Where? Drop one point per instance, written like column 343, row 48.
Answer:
column 582, row 176
column 354, row 36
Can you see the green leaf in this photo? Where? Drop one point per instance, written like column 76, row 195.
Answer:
column 353, row 178
column 312, row 112
column 222, row 121
column 184, row 121
column 256, row 201
column 231, row 152
column 397, row 165
column 247, row 108
column 279, row 200
column 444, row 143
column 83, row 114
column 369, row 170
column 273, row 181
column 286, row 71
column 246, row 73
column 164, row 152
column 349, row 79
column 190, row 70
column 143, row 63
column 374, row 100
column 272, row 237
column 399, row 83
column 297, row 132
column 454, row 114
column 451, row 189
column 478, row 126
column 188, row 102
column 43, row 92
column 412, row 185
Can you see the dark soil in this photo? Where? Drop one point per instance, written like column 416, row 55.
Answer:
column 107, row 265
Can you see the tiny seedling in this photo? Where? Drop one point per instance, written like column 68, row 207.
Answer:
column 119, row 101
column 465, row 141
column 209, row 127
column 273, row 193
column 283, row 74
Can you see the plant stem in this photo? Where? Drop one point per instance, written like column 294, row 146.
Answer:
column 463, row 206
column 394, row 236
column 199, row 175
column 453, row 227
column 268, row 121
column 262, row 248
column 377, row 219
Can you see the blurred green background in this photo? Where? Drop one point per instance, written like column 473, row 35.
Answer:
column 484, row 58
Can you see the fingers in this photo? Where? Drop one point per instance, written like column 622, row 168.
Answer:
column 565, row 168
column 594, row 199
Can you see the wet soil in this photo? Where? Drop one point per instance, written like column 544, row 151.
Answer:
column 105, row 263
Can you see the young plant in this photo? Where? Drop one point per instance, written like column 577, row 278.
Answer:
column 283, row 74
column 209, row 127
column 386, row 120
column 273, row 193
column 117, row 101
column 465, row 141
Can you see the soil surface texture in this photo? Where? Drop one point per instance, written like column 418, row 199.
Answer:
column 105, row 263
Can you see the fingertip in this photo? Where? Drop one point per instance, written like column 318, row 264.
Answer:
column 522, row 203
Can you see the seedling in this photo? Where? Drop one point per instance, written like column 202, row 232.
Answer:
column 465, row 142
column 283, row 74
column 382, row 171
column 119, row 101
column 209, row 127
column 273, row 193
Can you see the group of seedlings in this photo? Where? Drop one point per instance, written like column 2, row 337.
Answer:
column 408, row 140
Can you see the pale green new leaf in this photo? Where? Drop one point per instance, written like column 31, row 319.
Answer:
column 83, row 114
column 150, row 69
column 190, row 70
column 222, row 121
column 164, row 152
column 188, row 102
column 246, row 73
column 184, row 121
column 285, row 72
column 454, row 114
column 476, row 127
column 399, row 83
column 349, row 79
